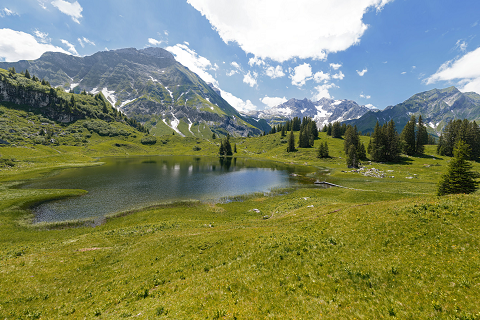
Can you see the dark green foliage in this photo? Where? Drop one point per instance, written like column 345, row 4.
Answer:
column 329, row 129
column 354, row 149
column 291, row 142
column 149, row 140
column 384, row 143
column 422, row 136
column 336, row 130
column 323, row 150
column 235, row 148
column 457, row 130
column 308, row 133
column 225, row 147
column 27, row 74
column 408, row 137
column 459, row 177
column 104, row 129
column 214, row 136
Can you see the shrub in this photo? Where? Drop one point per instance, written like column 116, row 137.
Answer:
column 149, row 140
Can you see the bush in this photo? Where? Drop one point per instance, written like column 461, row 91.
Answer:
column 149, row 140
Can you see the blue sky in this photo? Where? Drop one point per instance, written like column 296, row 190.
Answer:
column 261, row 53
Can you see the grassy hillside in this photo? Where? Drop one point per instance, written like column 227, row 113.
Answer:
column 386, row 248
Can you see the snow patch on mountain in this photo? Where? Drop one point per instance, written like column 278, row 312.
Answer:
column 110, row 96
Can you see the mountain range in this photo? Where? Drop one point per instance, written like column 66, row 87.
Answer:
column 323, row 111
column 148, row 85
column 437, row 107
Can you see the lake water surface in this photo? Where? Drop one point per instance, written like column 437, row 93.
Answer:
column 127, row 183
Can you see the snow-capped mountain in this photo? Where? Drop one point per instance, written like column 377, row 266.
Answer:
column 148, row 85
column 323, row 111
column 437, row 107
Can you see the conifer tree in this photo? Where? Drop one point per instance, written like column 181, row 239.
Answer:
column 291, row 142
column 422, row 136
column 27, row 74
column 408, row 137
column 459, row 177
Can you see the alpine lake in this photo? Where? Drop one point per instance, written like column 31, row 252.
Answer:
column 129, row 183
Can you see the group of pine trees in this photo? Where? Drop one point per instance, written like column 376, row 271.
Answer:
column 460, row 130
column 225, row 149
column 353, row 147
column 414, row 136
column 335, row 130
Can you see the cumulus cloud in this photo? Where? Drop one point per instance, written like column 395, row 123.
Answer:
column 273, row 101
column 17, row 45
column 85, row 41
column 231, row 73
column 335, row 66
column 466, row 70
column 74, row 10
column 236, row 65
column 362, row 73
column 71, row 47
column 255, row 61
column 365, row 96
column 264, row 27
column 237, row 103
column 154, row 42
column 301, row 74
column 320, row 76
column 7, row 12
column 322, row 91
column 338, row 76
column 250, row 79
column 196, row 63
column 276, row 72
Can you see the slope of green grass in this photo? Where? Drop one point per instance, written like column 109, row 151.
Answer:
column 386, row 248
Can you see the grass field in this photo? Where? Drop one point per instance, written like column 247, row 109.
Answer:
column 386, row 248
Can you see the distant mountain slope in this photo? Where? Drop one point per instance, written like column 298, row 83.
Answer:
column 437, row 107
column 32, row 112
column 323, row 111
column 148, row 85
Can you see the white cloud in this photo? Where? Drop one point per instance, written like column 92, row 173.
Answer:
column 263, row 28
column 74, row 10
column 155, row 42
column 276, row 72
column 42, row 4
column 338, row 76
column 320, row 76
column 301, row 74
column 322, row 91
column 404, row 72
column 237, row 103
column 255, row 61
column 7, row 12
column 465, row 69
column 365, row 96
column 231, row 73
column 42, row 36
column 17, row 45
column 273, row 101
column 362, row 73
column 335, row 66
column 85, row 41
column 71, row 47
column 370, row 106
column 250, row 79
column 461, row 45
column 236, row 65
column 196, row 63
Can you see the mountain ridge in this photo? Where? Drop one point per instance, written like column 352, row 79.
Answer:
column 148, row 85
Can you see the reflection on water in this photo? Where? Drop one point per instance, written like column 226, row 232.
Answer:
column 126, row 183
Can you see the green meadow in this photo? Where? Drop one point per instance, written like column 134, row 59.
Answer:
column 383, row 247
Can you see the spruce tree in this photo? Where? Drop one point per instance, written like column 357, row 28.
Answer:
column 459, row 177
column 27, row 74
column 408, row 137
column 291, row 142
column 422, row 136
column 392, row 148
